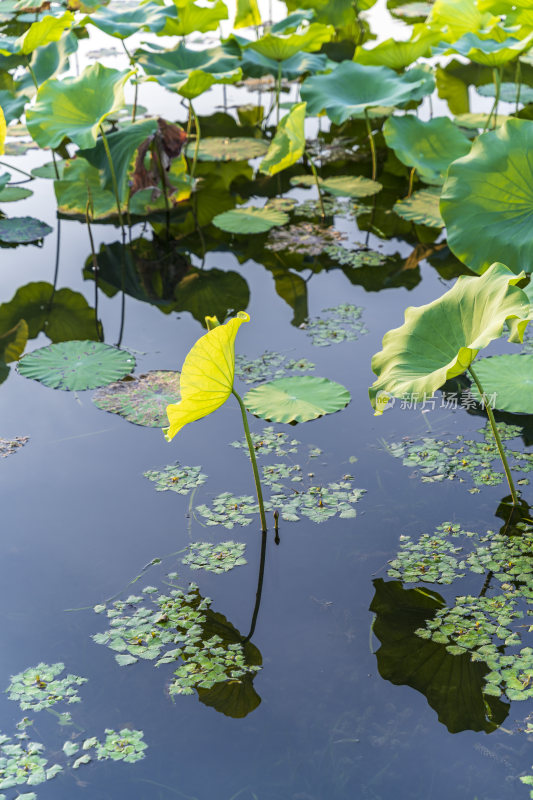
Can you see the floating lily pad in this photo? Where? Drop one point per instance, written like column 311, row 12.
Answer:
column 76, row 365
column 48, row 171
column 422, row 208
column 341, row 186
column 218, row 148
column 296, row 399
column 23, row 230
column 507, row 381
column 142, row 400
column 250, row 220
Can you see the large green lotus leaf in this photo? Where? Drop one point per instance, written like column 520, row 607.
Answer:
column 296, row 399
column 191, row 72
column 247, row 14
column 339, row 13
column 76, row 107
column 280, row 48
column 422, row 208
column 441, row 339
column 342, row 185
column 46, row 30
column 352, row 88
column 212, row 292
column 256, row 65
column 489, row 52
column 123, row 146
column 452, row 685
column 508, row 92
column 458, row 17
column 130, row 18
column 487, row 200
column 288, row 144
column 219, row 148
column 142, row 400
column 430, row 146
column 79, row 180
column 250, row 219
column 507, row 382
column 192, row 18
column 76, row 365
column 23, row 230
column 398, row 55
column 453, row 90
column 48, row 170
column 61, row 315
column 12, row 105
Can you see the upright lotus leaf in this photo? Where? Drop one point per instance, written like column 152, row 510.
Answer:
column 256, row 65
column 48, row 61
column 76, row 107
column 192, row 18
column 456, row 17
column 288, row 144
column 280, row 48
column 247, row 14
column 507, row 381
column 453, row 90
column 440, row 340
column 3, row 131
column 207, row 376
column 398, row 55
column 48, row 29
column 429, row 147
column 490, row 52
column 351, row 89
column 130, row 18
column 487, row 200
column 12, row 107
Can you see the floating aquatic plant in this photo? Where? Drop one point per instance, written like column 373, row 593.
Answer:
column 361, row 257
column 23, row 764
column 305, row 238
column 269, row 366
column 39, row 687
column 229, row 510
column 342, row 323
column 214, row 557
column 176, row 478
column 142, row 400
column 10, row 446
column 270, row 441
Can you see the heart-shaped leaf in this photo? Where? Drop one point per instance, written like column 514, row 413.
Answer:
column 441, row 339
column 507, row 382
column 297, row 399
column 76, row 365
column 487, row 200
column 250, row 219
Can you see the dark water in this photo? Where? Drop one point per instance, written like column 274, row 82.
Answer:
column 80, row 521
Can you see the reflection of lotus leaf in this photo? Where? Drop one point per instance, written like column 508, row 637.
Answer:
column 142, row 400
column 75, row 365
column 421, row 208
column 296, row 399
column 219, row 148
column 211, row 292
column 23, row 230
column 507, row 381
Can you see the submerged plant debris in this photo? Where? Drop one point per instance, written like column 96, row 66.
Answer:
column 342, row 323
column 175, row 478
column 10, row 446
column 269, row 366
column 305, row 238
column 215, row 557
column 143, row 400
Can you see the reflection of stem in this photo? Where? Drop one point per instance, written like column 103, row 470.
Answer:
column 496, row 434
column 372, row 145
column 278, row 91
column 56, row 268
column 486, row 585
column 88, row 210
column 317, row 184
column 259, row 587
column 254, row 463
column 113, row 181
column 197, row 142
column 496, row 76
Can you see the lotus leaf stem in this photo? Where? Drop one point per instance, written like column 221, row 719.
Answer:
column 132, row 62
column 249, row 442
column 113, row 179
column 317, row 184
column 17, row 169
column 278, row 91
column 497, row 78
column 411, row 180
column 197, row 142
column 496, row 434
column 157, row 155
column 518, row 81
column 372, row 145
column 88, row 211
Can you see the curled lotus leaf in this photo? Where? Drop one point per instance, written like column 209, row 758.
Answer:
column 142, row 400
column 297, row 399
column 76, row 365
column 487, row 200
column 440, row 340
column 507, row 381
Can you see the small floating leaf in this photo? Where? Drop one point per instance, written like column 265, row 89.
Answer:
column 250, row 220
column 23, row 230
column 297, row 399
column 142, row 400
column 218, row 148
column 342, row 185
column 76, row 365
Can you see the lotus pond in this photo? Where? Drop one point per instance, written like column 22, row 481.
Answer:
column 267, row 534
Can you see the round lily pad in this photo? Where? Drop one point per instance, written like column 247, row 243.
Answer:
column 76, row 365
column 22, row 230
column 219, row 148
column 507, row 382
column 250, row 219
column 296, row 399
column 342, row 185
column 142, row 400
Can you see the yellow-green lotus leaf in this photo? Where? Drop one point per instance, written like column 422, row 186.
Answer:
column 440, row 340
column 48, row 29
column 206, row 379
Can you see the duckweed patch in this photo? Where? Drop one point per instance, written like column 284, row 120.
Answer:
column 39, row 687
column 215, row 557
column 269, row 366
column 342, row 323
column 10, row 446
column 228, row 510
column 175, row 478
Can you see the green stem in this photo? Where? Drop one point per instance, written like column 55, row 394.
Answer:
column 518, row 81
column 10, row 166
column 132, row 62
column 372, row 146
column 32, row 73
column 411, row 179
column 317, row 184
column 88, row 211
column 496, row 76
column 113, row 180
column 197, row 142
column 278, row 91
column 499, row 444
column 254, row 463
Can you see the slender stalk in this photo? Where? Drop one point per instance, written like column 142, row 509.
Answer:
column 372, row 146
column 317, row 184
column 258, row 489
column 157, row 155
column 113, row 180
column 278, row 91
column 55, row 165
column 197, row 142
column 411, row 180
column 132, row 62
column 32, row 73
column 518, row 82
column 88, row 211
column 259, row 588
column 56, row 267
column 17, row 169
column 496, row 434
column 496, row 76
